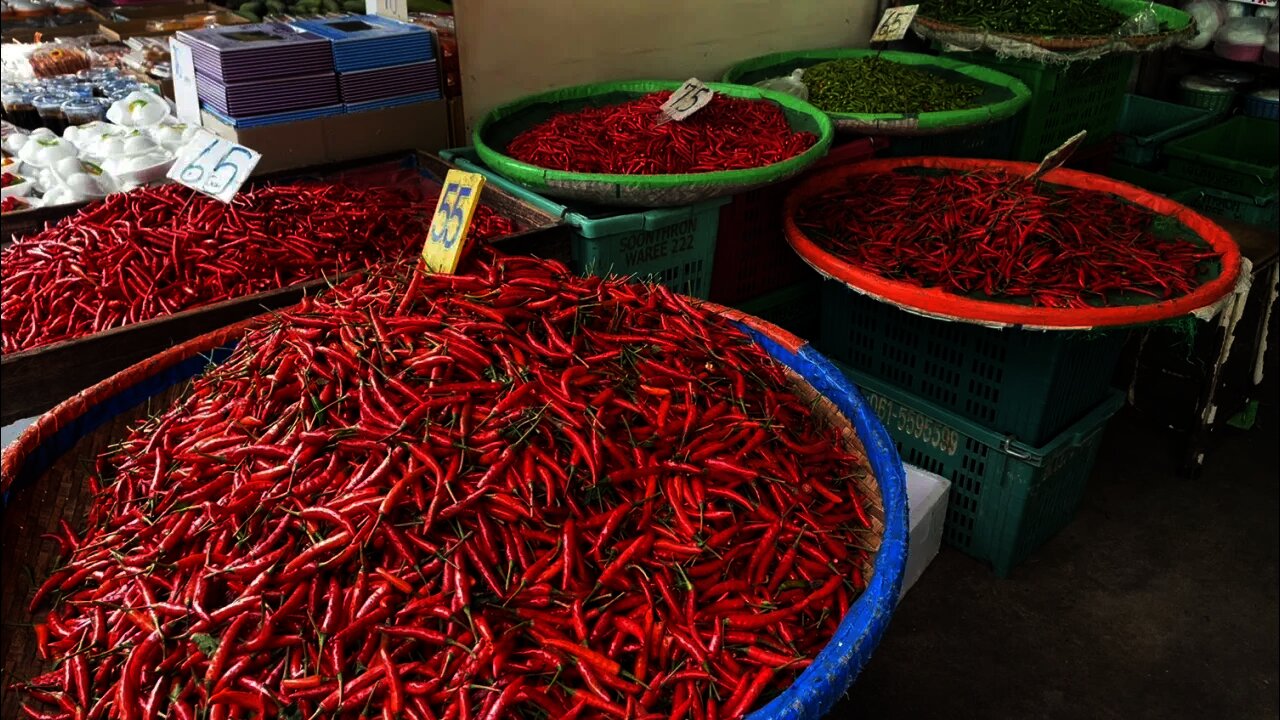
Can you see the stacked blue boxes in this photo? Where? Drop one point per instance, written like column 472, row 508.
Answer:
column 250, row 75
column 380, row 62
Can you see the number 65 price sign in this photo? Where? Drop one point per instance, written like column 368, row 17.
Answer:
column 213, row 166
column 448, row 231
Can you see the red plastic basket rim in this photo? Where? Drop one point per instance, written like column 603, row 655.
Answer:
column 934, row 302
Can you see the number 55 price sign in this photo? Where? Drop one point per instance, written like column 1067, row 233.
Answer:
column 213, row 165
column 448, row 231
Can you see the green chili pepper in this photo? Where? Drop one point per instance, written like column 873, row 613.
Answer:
column 1027, row 17
column 875, row 85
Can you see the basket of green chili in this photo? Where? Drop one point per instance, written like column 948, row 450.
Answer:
column 1061, row 25
column 893, row 93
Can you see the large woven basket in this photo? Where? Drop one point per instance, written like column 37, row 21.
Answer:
column 938, row 303
column 42, row 478
column 1179, row 24
column 496, row 130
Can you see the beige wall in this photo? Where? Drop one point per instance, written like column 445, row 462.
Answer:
column 511, row 48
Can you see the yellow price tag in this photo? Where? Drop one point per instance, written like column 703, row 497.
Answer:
column 448, row 231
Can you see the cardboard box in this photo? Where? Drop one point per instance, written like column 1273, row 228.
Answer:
column 422, row 126
column 117, row 31
column 927, row 506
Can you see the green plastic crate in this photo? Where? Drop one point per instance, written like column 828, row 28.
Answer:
column 1240, row 155
column 794, row 308
column 1262, row 211
column 1146, row 178
column 994, row 141
column 1024, row 383
column 1007, row 498
column 1065, row 99
column 672, row 246
column 1146, row 124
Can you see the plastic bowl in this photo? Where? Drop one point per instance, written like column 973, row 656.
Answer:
column 21, row 189
column 141, row 169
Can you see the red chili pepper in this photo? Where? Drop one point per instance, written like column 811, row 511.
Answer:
column 311, row 537
column 987, row 234
column 726, row 134
column 160, row 249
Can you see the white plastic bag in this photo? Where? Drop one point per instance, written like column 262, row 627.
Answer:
column 792, row 84
column 1244, row 31
column 1143, row 22
column 1209, row 16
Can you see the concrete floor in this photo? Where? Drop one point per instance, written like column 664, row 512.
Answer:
column 1158, row 601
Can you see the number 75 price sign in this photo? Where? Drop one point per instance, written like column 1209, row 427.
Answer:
column 448, row 233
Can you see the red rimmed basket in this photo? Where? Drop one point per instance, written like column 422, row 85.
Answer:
column 934, row 302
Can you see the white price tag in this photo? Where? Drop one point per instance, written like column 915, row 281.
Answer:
column 894, row 23
column 394, row 9
column 213, row 165
column 688, row 99
column 183, row 69
column 1059, row 155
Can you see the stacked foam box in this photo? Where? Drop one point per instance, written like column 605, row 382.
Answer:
column 266, row 73
column 380, row 62
column 927, row 504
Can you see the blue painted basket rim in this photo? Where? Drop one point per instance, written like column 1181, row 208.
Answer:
column 821, row 684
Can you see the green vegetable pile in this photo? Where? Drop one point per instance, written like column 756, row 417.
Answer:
column 1027, row 17
column 255, row 10
column 872, row 85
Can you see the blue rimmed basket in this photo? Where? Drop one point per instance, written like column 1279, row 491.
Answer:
column 42, row 473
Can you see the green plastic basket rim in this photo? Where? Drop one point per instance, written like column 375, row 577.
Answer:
column 624, row 219
column 1075, row 434
column 539, row 177
column 942, row 120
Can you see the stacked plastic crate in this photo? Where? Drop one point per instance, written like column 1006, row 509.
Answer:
column 755, row 270
column 675, row 245
column 1234, row 166
column 1065, row 99
column 1012, row 417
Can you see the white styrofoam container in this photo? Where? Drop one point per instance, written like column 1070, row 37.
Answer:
column 927, row 504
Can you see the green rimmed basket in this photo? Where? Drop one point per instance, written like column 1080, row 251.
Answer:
column 1003, row 95
column 1178, row 24
column 496, row 130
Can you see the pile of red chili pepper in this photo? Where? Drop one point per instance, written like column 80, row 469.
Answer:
column 509, row 493
column 13, row 203
column 158, row 250
column 626, row 139
column 991, row 234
